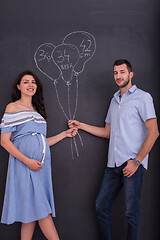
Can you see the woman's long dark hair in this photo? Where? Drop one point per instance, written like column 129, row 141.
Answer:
column 37, row 99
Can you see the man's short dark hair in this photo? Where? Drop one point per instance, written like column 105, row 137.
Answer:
column 123, row 61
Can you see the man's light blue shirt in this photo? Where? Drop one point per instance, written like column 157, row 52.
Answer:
column 127, row 119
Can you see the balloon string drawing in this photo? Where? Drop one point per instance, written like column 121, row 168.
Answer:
column 65, row 62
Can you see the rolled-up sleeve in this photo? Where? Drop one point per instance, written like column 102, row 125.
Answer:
column 146, row 107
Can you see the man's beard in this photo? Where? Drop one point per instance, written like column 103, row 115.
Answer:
column 125, row 84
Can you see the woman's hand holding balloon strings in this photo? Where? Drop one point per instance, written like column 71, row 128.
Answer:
column 71, row 132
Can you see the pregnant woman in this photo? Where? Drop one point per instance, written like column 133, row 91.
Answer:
column 29, row 195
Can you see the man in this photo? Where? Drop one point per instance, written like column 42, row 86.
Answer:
column 132, row 128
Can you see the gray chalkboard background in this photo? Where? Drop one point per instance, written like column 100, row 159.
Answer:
column 122, row 29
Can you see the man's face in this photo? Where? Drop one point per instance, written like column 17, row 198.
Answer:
column 122, row 76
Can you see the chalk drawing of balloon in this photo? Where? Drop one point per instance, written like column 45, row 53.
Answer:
column 44, row 62
column 65, row 62
column 86, row 44
column 66, row 57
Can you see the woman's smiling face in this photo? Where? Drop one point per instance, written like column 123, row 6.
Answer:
column 27, row 85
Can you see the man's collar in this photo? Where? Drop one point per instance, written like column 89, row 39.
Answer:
column 131, row 90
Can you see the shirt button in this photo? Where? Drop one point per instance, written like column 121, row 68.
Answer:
column 115, row 148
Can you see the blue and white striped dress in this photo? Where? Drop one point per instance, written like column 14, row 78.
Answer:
column 28, row 194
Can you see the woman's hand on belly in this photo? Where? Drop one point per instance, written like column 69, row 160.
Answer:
column 34, row 165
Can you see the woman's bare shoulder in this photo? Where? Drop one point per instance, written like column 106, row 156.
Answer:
column 11, row 107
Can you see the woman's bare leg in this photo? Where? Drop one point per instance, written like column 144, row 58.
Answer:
column 27, row 230
column 48, row 228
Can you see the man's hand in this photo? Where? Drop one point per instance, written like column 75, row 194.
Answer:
column 130, row 169
column 74, row 123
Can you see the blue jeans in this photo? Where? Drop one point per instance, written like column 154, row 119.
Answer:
column 113, row 181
